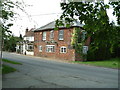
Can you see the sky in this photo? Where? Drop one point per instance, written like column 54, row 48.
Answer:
column 39, row 13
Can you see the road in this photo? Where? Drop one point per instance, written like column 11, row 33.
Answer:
column 36, row 72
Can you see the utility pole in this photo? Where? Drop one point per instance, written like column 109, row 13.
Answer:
column 1, row 44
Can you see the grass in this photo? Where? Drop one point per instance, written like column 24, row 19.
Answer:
column 12, row 62
column 112, row 63
column 7, row 69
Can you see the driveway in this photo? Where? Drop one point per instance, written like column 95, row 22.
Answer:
column 36, row 72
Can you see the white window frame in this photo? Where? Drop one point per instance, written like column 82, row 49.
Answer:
column 61, row 34
column 40, row 48
column 50, row 48
column 84, row 35
column 29, row 46
column 63, row 47
column 85, row 49
column 51, row 34
column 44, row 36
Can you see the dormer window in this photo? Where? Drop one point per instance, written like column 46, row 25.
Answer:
column 44, row 36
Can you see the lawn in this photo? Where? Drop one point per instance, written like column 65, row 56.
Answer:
column 112, row 63
column 12, row 62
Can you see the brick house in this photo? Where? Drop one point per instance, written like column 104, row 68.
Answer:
column 56, row 43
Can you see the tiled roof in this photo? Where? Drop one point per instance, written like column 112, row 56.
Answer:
column 29, row 33
column 51, row 25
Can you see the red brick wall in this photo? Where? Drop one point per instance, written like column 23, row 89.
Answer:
column 77, row 55
column 70, row 55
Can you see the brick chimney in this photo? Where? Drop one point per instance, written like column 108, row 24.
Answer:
column 26, row 30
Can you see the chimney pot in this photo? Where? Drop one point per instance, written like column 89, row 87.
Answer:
column 26, row 30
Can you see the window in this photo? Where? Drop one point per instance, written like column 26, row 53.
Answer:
column 30, row 47
column 85, row 49
column 81, row 37
column 63, row 49
column 40, row 48
column 50, row 48
column 27, row 38
column 51, row 34
column 44, row 36
column 61, row 34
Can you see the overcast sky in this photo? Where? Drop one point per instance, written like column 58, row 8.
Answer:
column 41, row 12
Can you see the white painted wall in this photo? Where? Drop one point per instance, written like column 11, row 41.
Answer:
column 27, row 52
column 29, row 38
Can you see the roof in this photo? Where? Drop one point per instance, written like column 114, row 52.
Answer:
column 51, row 25
column 29, row 33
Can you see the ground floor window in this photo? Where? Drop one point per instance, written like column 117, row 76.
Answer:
column 30, row 47
column 63, row 49
column 40, row 48
column 85, row 49
column 50, row 48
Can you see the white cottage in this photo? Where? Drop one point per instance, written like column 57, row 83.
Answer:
column 27, row 45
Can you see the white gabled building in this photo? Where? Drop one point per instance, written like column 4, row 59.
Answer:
column 27, row 45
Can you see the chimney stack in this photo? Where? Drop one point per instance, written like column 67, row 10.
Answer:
column 26, row 30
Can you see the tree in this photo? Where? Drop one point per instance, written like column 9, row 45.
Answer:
column 6, row 15
column 10, row 43
column 93, row 14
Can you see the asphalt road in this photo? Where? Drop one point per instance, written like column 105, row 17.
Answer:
column 41, row 73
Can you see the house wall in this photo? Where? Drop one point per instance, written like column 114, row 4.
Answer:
column 69, row 55
column 30, row 38
column 77, row 55
column 29, row 53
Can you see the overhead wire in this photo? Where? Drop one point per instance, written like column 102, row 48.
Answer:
column 42, row 14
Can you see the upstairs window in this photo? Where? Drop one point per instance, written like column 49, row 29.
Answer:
column 63, row 49
column 51, row 34
column 79, row 38
column 27, row 38
column 61, row 35
column 44, row 36
column 40, row 48
column 82, row 36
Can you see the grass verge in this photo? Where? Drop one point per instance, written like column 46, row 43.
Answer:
column 12, row 62
column 7, row 69
column 112, row 63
